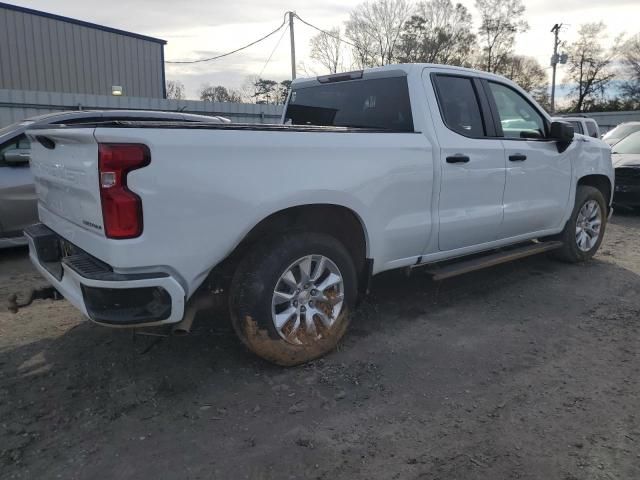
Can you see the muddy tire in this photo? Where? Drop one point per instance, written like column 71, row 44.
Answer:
column 290, row 299
column 583, row 233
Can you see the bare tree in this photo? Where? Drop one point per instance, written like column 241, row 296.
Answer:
column 530, row 75
column 263, row 91
column 283, row 91
column 307, row 69
column 266, row 91
column 326, row 49
column 439, row 32
column 248, row 89
column 362, row 50
column 219, row 93
column 589, row 65
column 500, row 21
column 631, row 70
column 374, row 28
column 175, row 90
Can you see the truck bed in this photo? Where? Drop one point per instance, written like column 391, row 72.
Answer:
column 207, row 185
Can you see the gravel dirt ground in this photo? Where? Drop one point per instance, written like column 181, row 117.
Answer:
column 529, row 370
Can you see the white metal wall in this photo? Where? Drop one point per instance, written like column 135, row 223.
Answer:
column 16, row 105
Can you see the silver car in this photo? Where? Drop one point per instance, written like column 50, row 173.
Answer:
column 18, row 203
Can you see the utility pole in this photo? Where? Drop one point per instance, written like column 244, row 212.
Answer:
column 554, row 63
column 293, row 46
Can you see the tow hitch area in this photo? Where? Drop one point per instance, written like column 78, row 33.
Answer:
column 34, row 294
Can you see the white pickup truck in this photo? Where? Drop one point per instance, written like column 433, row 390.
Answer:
column 395, row 167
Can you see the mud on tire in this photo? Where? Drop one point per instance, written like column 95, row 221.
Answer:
column 255, row 308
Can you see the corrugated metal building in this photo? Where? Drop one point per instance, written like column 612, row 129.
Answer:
column 50, row 53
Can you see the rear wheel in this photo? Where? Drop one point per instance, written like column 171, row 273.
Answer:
column 290, row 299
column 583, row 233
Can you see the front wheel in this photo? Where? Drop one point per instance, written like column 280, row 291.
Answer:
column 290, row 299
column 584, row 231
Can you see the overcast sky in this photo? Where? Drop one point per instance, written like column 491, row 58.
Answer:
column 198, row 28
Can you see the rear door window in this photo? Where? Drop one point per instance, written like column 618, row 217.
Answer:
column 459, row 105
column 381, row 103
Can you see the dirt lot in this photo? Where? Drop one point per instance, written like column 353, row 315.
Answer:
column 528, row 370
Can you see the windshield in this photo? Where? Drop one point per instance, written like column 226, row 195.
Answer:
column 14, row 126
column 630, row 144
column 622, row 131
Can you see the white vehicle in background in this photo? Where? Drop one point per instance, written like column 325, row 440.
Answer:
column 402, row 166
column 18, row 204
column 626, row 161
column 623, row 130
column 581, row 124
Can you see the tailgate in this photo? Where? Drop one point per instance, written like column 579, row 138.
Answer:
column 65, row 171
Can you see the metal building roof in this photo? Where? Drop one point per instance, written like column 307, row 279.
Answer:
column 80, row 22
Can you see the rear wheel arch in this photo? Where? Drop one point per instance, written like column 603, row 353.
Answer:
column 338, row 221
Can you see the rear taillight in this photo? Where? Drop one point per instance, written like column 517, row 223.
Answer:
column 121, row 208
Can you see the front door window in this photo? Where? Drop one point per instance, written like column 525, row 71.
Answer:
column 519, row 119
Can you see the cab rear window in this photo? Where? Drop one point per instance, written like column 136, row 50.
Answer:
column 381, row 103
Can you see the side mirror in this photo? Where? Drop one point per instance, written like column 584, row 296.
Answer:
column 16, row 157
column 562, row 132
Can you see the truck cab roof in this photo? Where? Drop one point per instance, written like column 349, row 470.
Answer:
column 392, row 70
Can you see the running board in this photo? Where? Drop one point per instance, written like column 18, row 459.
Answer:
column 459, row 267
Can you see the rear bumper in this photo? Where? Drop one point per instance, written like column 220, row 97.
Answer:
column 104, row 296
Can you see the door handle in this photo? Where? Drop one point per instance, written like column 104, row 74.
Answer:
column 458, row 159
column 518, row 157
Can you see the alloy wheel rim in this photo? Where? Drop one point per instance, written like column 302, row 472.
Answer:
column 307, row 300
column 588, row 225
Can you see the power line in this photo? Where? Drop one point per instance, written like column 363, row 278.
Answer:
column 233, row 51
column 284, row 21
column 325, row 32
column 273, row 51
